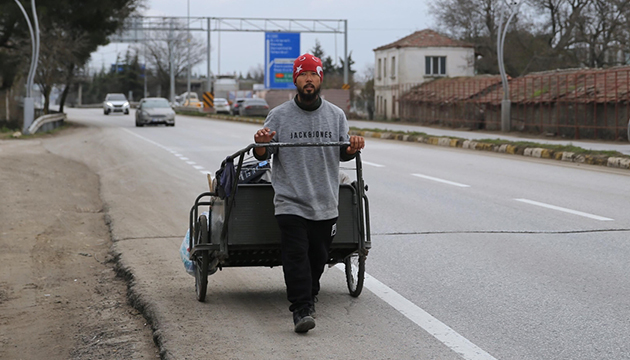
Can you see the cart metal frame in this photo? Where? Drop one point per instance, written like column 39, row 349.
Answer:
column 243, row 232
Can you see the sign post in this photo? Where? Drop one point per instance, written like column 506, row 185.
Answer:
column 281, row 49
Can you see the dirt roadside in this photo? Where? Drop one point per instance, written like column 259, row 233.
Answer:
column 60, row 297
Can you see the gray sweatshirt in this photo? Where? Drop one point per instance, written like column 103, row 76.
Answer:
column 306, row 179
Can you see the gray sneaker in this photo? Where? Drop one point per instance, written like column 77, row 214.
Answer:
column 303, row 320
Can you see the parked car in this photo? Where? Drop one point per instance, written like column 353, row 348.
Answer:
column 221, row 106
column 195, row 103
column 155, row 110
column 254, row 107
column 115, row 103
column 235, row 104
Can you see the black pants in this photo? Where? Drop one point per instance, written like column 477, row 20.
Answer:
column 305, row 251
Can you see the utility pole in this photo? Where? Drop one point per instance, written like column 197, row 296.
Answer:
column 188, row 40
column 209, row 83
column 172, row 62
column 346, row 76
column 506, row 103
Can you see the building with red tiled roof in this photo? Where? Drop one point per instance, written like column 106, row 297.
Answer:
column 422, row 56
column 424, row 39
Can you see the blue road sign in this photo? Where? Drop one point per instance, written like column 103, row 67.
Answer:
column 281, row 49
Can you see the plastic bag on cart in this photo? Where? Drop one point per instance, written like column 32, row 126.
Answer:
column 184, row 252
column 252, row 172
column 255, row 172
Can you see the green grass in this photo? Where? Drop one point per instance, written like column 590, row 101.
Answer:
column 192, row 113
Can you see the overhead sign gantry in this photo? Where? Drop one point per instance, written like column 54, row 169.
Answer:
column 146, row 28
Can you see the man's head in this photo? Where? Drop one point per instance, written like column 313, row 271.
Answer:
column 307, row 76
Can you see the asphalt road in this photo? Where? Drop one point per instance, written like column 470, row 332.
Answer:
column 475, row 255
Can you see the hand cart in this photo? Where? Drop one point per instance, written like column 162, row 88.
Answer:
column 241, row 230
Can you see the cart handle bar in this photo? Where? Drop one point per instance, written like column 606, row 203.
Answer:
column 277, row 144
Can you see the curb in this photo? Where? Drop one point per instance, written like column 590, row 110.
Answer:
column 535, row 152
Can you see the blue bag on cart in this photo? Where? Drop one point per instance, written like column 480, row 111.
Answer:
column 184, row 252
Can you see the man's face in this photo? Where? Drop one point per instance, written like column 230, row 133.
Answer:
column 308, row 85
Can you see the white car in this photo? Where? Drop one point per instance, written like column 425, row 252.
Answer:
column 221, row 106
column 115, row 103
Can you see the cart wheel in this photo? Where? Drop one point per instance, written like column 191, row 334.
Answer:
column 355, row 273
column 203, row 260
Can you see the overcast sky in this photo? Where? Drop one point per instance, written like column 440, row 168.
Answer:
column 370, row 24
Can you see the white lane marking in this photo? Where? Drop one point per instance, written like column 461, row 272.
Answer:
column 574, row 212
column 205, row 172
column 148, row 140
column 372, row 164
column 442, row 332
column 440, row 180
column 180, row 156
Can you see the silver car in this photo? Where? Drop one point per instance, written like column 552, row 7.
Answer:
column 254, row 107
column 155, row 110
column 115, row 103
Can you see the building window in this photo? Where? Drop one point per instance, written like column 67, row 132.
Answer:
column 394, row 105
column 385, row 107
column 435, row 65
column 393, row 66
column 379, row 68
column 385, row 67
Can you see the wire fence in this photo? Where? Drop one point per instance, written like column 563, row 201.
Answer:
column 579, row 104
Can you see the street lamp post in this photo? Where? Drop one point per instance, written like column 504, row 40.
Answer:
column 188, row 40
column 506, row 104
column 29, row 103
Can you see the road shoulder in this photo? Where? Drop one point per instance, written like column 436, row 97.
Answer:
column 59, row 294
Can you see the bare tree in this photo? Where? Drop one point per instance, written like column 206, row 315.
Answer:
column 257, row 73
column 466, row 19
column 559, row 20
column 60, row 51
column 601, row 32
column 175, row 44
column 547, row 34
column 474, row 21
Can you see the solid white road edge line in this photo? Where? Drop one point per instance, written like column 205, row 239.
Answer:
column 442, row 332
column 440, row 180
column 574, row 212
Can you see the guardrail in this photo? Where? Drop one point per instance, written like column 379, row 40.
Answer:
column 47, row 123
